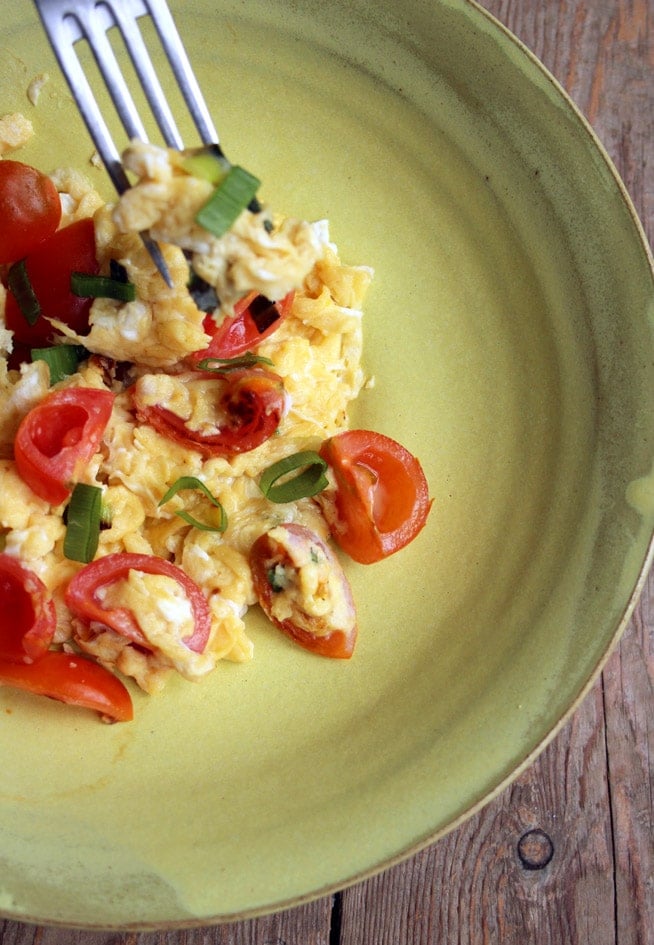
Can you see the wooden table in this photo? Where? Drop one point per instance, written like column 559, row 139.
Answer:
column 565, row 856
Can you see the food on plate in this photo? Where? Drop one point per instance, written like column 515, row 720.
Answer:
column 15, row 131
column 71, row 678
column 380, row 500
column 30, row 208
column 28, row 613
column 303, row 590
column 175, row 451
column 57, row 439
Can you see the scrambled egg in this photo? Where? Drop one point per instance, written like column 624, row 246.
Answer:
column 310, row 592
column 15, row 131
column 316, row 351
column 272, row 257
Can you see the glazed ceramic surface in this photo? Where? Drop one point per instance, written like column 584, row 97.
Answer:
column 509, row 332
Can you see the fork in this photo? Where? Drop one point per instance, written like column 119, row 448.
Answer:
column 67, row 22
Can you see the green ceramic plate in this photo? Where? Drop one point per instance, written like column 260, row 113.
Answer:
column 509, row 330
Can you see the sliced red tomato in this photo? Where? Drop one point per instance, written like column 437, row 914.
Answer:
column 30, row 209
column 28, row 613
column 84, row 596
column 255, row 319
column 57, row 438
column 250, row 403
column 303, row 590
column 381, row 500
column 73, row 679
column 49, row 267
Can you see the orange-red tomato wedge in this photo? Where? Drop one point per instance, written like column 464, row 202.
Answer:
column 73, row 679
column 83, row 596
column 255, row 319
column 58, row 437
column 381, row 500
column 27, row 613
column 30, row 209
column 303, row 590
column 249, row 404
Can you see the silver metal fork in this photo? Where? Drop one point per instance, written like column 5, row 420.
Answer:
column 67, row 22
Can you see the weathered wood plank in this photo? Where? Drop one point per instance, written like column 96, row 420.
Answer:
column 605, row 59
column 602, row 53
column 591, row 790
column 629, row 699
column 535, row 865
column 481, row 884
column 306, row 925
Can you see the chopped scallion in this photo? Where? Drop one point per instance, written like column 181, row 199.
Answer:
column 89, row 286
column 223, row 365
column 21, row 287
column 62, row 360
column 228, row 201
column 310, row 478
column 84, row 514
column 192, row 482
column 207, row 163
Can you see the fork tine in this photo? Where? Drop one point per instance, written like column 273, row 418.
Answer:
column 114, row 79
column 68, row 21
column 179, row 62
column 64, row 29
column 148, row 77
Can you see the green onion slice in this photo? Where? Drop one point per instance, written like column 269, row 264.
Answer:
column 84, row 515
column 207, row 163
column 61, row 359
column 223, row 365
column 310, row 478
column 192, row 482
column 89, row 286
column 228, row 201
column 21, row 287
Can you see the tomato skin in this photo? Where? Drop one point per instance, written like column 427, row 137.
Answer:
column 82, row 596
column 30, row 209
column 28, row 613
column 252, row 399
column 49, row 267
column 58, row 437
column 73, row 679
column 236, row 335
column 287, row 547
column 381, row 500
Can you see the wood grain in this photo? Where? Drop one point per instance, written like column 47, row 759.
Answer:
column 588, row 801
column 476, row 887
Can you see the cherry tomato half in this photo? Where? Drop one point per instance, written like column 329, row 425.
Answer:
column 28, row 613
column 49, row 267
column 250, row 402
column 58, row 437
column 381, row 500
column 83, row 596
column 255, row 319
column 30, row 209
column 303, row 590
column 73, row 679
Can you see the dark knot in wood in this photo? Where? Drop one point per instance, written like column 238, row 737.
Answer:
column 535, row 849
